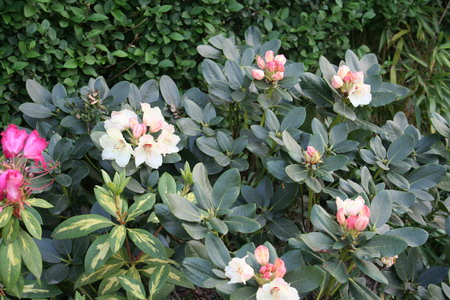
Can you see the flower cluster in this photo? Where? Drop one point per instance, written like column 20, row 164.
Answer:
column 270, row 276
column 16, row 174
column 272, row 67
column 389, row 261
column 312, row 156
column 352, row 84
column 153, row 138
column 353, row 215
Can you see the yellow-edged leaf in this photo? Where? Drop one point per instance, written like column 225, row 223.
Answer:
column 80, row 226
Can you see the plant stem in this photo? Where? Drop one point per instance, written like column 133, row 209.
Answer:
column 310, row 202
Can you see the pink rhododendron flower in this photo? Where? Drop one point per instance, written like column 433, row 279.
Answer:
column 352, row 84
column 148, row 152
column 167, row 140
column 280, row 59
column 115, row 147
column 277, row 289
column 272, row 66
column 120, row 119
column 239, row 271
column 257, row 74
column 137, row 129
column 12, row 180
column 360, row 94
column 279, row 268
column 13, row 140
column 352, row 214
column 342, row 71
column 153, row 117
column 34, row 146
column 262, row 255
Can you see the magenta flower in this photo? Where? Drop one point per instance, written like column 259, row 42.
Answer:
column 34, row 147
column 13, row 140
column 11, row 181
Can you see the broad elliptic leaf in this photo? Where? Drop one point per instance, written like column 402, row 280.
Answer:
column 149, row 244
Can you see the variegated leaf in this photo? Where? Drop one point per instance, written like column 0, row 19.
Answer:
column 34, row 290
column 107, row 270
column 11, row 230
column 106, row 202
column 32, row 224
column 149, row 244
column 37, row 202
column 11, row 263
column 5, row 216
column 97, row 254
column 116, row 237
column 110, row 284
column 132, row 286
column 177, row 277
column 142, row 204
column 80, row 226
column 158, row 279
column 30, row 253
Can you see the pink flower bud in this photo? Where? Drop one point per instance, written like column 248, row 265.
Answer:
column 258, row 74
column 341, row 216
column 269, row 56
column 350, row 77
column 351, row 220
column 361, row 223
column 278, row 76
column 263, row 269
column 280, row 67
column 262, row 255
column 342, row 71
column 267, row 275
column 279, row 268
column 337, row 82
column 139, row 130
column 261, row 62
column 13, row 140
column 272, row 66
column 281, row 59
column 365, row 211
column 311, row 150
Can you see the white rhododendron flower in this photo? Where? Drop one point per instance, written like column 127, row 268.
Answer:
column 167, row 140
column 277, row 289
column 148, row 152
column 351, row 207
column 115, row 147
column 120, row 119
column 360, row 94
column 239, row 271
column 153, row 117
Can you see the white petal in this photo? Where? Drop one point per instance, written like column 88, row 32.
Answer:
column 154, row 161
column 139, row 156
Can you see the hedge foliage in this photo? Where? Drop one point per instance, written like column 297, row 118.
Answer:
column 141, row 39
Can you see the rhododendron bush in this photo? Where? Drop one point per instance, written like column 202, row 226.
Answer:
column 267, row 182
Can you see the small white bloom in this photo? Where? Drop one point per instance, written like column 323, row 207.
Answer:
column 167, row 140
column 153, row 117
column 115, row 147
column 239, row 271
column 277, row 289
column 147, row 151
column 360, row 94
column 120, row 119
column 351, row 207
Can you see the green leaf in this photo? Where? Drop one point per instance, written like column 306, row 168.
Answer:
column 244, row 293
column 283, row 229
column 334, row 162
column 164, row 8
column 359, row 291
column 30, row 253
column 38, row 93
column 71, row 64
column 120, row 53
column 11, row 263
column 107, row 270
column 322, row 221
column 32, row 224
column 241, row 224
column 158, row 279
column 176, row 36
column 106, row 201
column 117, row 237
column 226, row 189
column 217, row 251
column 132, row 286
column 337, row 269
column 35, row 110
column 415, row 237
column 97, row 254
column 382, row 245
column 37, row 202
column 79, row 226
column 197, row 270
column 370, row 270
column 426, row 176
column 166, row 185
column 381, row 209
column 305, row 279
column 142, row 204
column 400, row 148
column 29, row 10
column 317, row 241
column 10, row 230
column 149, row 244
column 169, row 91
column 34, row 290
column 183, row 208
column 297, row 172
column 97, row 17
column 316, row 89
column 294, row 119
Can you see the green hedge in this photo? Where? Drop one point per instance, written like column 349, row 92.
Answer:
column 139, row 40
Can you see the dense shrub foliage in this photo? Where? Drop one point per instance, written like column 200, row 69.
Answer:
column 70, row 41
column 267, row 181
